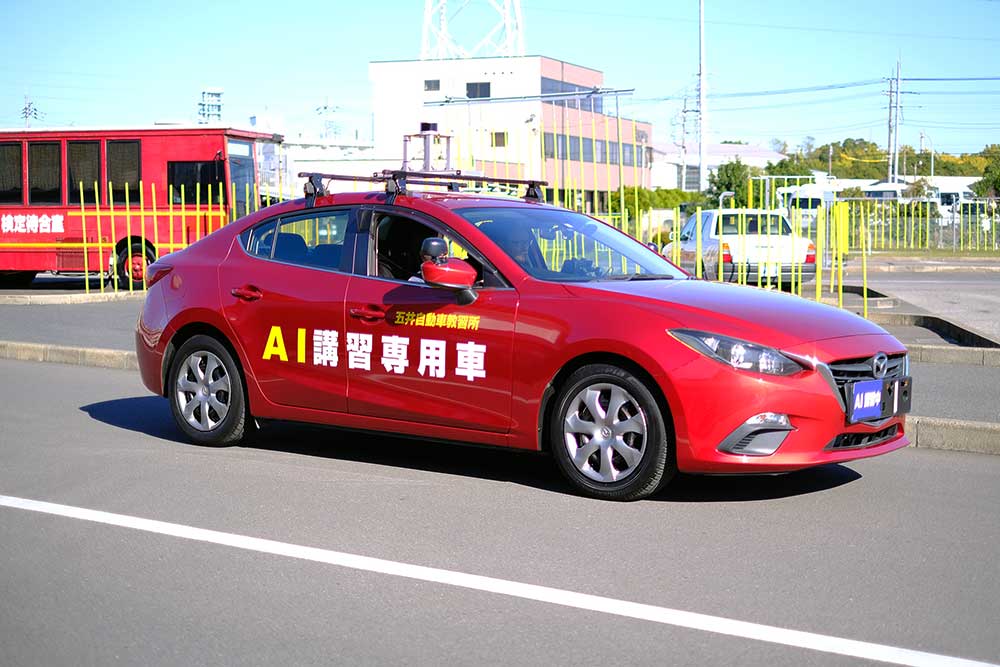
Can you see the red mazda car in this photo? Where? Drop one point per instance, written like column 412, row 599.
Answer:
column 512, row 323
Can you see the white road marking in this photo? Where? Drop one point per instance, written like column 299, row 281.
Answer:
column 566, row 598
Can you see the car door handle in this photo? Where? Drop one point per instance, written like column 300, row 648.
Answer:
column 247, row 293
column 367, row 314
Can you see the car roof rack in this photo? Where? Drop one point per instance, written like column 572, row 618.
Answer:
column 397, row 180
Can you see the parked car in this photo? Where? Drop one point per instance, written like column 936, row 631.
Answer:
column 753, row 245
column 510, row 323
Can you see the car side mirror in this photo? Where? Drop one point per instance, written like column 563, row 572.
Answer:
column 451, row 273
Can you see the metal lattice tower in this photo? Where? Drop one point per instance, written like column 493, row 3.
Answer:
column 505, row 37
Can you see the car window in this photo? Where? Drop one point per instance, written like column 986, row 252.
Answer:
column 316, row 240
column 688, row 229
column 259, row 240
column 397, row 251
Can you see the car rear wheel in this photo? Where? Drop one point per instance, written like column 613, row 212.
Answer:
column 205, row 388
column 608, row 435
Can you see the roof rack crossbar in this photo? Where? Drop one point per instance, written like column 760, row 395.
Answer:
column 396, row 180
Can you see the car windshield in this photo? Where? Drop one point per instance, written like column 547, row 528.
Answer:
column 563, row 246
column 755, row 223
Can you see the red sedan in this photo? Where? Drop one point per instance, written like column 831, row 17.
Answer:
column 512, row 323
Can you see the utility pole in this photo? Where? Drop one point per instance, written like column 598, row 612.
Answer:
column 702, row 106
column 829, row 162
column 888, row 143
column 29, row 111
column 895, row 129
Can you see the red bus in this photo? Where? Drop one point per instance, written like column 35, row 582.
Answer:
column 111, row 201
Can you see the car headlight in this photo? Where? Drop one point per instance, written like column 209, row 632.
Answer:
column 738, row 354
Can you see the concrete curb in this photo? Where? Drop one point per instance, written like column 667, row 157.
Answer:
column 953, row 354
column 63, row 299
column 64, row 354
column 953, row 434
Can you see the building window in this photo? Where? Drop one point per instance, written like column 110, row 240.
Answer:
column 561, row 145
column 44, row 173
column 627, row 155
column 477, row 90
column 432, row 84
column 549, row 144
column 600, row 152
column 588, row 149
column 11, row 188
column 498, row 139
column 612, row 152
column 123, row 170
column 574, row 148
column 83, row 165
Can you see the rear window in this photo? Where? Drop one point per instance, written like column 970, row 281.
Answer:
column 806, row 202
column 753, row 223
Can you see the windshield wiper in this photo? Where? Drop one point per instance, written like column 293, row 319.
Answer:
column 651, row 276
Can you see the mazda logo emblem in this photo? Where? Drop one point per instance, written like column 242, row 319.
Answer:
column 880, row 363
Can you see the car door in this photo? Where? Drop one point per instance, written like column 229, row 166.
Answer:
column 283, row 290
column 426, row 358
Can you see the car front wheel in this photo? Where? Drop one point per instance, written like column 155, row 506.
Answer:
column 205, row 388
column 608, row 435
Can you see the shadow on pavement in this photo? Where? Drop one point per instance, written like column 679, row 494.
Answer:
column 728, row 488
column 151, row 415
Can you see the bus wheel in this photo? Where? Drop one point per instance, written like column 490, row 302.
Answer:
column 132, row 265
column 16, row 279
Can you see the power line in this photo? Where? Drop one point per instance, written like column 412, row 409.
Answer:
column 953, row 78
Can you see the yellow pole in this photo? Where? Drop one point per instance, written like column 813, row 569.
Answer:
column 156, row 223
column 697, row 243
column 197, row 211
column 86, row 253
column 100, row 237
column 142, row 217
column 864, row 268
column 838, row 221
column 184, row 218
column 128, row 237
column 635, row 183
column 170, row 219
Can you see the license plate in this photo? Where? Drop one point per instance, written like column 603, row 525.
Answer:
column 878, row 399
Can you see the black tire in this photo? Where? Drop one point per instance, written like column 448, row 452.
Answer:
column 129, row 276
column 213, row 428
column 603, row 474
column 16, row 279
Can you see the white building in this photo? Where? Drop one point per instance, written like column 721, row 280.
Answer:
column 501, row 123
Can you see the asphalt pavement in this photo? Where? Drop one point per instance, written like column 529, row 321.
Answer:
column 894, row 551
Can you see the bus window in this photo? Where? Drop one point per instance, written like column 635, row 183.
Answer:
column 44, row 173
column 241, row 174
column 11, row 188
column 123, row 167
column 190, row 175
column 83, row 163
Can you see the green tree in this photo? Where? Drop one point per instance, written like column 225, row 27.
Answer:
column 731, row 177
column 989, row 186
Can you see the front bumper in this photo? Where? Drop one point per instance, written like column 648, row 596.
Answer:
column 716, row 402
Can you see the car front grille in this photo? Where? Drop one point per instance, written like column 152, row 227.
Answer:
column 856, row 370
column 861, row 440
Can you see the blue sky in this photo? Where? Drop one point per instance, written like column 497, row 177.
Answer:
column 119, row 63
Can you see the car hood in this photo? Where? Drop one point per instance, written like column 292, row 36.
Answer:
column 765, row 316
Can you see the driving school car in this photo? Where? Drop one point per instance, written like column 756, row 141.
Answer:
column 512, row 323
